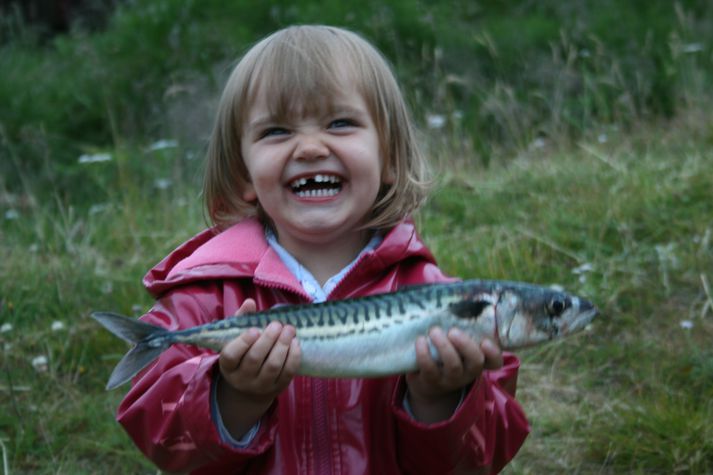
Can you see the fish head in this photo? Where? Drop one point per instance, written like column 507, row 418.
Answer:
column 530, row 315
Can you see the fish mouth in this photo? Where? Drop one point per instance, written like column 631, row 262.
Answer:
column 586, row 312
column 320, row 185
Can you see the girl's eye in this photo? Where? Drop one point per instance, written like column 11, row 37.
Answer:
column 340, row 123
column 273, row 131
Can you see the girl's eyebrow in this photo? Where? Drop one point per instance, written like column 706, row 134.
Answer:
column 260, row 123
column 347, row 109
column 336, row 109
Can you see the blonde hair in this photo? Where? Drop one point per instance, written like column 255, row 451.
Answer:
column 299, row 67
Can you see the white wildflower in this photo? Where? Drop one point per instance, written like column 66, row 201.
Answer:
column 435, row 121
column 162, row 183
column 40, row 363
column 162, row 145
column 538, row 143
column 692, row 48
column 686, row 324
column 667, row 255
column 98, row 208
column 583, row 269
column 602, row 138
column 11, row 214
column 5, row 328
column 57, row 326
column 95, row 158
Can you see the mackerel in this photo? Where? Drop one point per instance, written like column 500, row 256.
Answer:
column 375, row 335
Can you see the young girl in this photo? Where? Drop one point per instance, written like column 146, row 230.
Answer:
column 312, row 171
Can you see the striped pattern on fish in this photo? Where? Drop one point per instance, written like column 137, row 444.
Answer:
column 375, row 335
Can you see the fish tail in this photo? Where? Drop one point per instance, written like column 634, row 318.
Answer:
column 142, row 335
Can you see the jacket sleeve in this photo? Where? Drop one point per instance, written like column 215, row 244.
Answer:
column 167, row 412
column 484, row 433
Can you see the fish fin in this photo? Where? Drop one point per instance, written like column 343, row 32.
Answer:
column 138, row 333
column 134, row 361
column 128, row 329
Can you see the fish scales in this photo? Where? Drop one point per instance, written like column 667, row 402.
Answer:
column 375, row 335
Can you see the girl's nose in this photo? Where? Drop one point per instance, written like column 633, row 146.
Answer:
column 310, row 147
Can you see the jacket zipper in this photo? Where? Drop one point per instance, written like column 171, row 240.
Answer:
column 321, row 442
column 321, row 439
column 320, row 428
column 336, row 293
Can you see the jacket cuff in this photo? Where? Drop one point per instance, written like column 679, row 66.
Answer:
column 183, row 435
column 440, row 444
column 258, row 440
column 217, row 418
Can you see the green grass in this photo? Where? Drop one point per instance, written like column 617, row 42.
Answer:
column 632, row 395
column 502, row 76
column 572, row 154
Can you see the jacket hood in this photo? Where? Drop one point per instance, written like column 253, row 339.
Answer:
column 241, row 251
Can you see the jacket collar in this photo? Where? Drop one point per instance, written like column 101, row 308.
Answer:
column 241, row 251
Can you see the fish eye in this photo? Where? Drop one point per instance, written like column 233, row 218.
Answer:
column 556, row 306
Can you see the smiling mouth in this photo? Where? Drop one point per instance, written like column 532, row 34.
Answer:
column 317, row 186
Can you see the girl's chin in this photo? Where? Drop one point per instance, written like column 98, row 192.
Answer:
column 316, row 229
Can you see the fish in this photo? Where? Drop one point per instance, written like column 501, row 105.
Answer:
column 375, row 336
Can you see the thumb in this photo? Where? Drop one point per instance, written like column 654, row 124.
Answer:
column 248, row 306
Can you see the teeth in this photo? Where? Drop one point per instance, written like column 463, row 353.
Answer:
column 317, row 179
column 317, row 193
column 325, row 179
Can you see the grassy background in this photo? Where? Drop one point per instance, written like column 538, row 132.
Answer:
column 573, row 144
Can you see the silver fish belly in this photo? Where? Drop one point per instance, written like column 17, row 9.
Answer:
column 375, row 335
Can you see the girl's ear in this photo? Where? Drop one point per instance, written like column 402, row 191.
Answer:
column 249, row 194
column 388, row 176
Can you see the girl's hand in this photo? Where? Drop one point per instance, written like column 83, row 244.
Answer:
column 435, row 389
column 254, row 368
column 259, row 365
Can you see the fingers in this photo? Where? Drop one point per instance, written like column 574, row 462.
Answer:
column 451, row 365
column 460, row 359
column 253, row 360
column 232, row 354
column 471, row 356
column 450, row 372
column 426, row 364
column 493, row 354
column 261, row 362
column 292, row 364
column 248, row 306
column 274, row 363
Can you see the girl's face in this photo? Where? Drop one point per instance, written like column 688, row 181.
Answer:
column 317, row 177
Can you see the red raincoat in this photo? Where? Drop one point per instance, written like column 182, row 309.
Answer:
column 340, row 426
